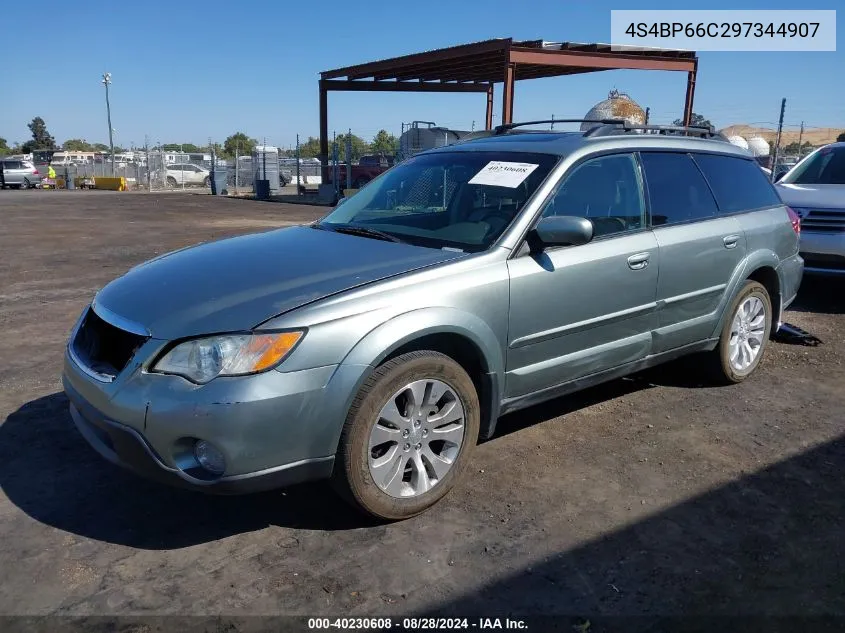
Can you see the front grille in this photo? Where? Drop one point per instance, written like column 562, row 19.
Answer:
column 824, row 221
column 820, row 260
column 104, row 348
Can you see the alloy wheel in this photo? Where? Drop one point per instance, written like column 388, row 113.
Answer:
column 416, row 439
column 747, row 331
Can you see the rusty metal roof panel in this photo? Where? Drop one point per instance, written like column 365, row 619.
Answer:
column 483, row 61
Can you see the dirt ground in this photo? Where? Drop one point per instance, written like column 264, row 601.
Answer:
column 650, row 496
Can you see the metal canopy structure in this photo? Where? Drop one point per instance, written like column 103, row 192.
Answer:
column 477, row 67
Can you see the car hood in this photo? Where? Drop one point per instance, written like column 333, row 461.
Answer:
column 821, row 196
column 238, row 283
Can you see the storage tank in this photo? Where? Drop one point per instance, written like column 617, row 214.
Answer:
column 618, row 105
column 737, row 140
column 265, row 163
column 423, row 135
column 758, row 146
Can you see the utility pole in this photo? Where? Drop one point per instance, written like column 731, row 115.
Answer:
column 800, row 137
column 298, row 180
column 349, row 158
column 147, row 158
column 777, row 140
column 552, row 126
column 237, row 164
column 647, row 111
column 106, row 81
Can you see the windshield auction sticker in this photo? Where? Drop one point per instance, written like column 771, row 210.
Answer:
column 503, row 174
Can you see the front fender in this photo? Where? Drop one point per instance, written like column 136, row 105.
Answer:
column 401, row 330
column 378, row 344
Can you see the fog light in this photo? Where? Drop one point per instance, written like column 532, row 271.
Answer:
column 209, row 457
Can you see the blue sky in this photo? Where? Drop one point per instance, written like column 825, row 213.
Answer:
column 187, row 71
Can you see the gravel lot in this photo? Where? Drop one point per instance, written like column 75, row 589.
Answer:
column 654, row 495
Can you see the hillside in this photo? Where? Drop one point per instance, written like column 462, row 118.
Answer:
column 813, row 135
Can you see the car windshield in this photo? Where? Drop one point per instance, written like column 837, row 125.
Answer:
column 461, row 200
column 826, row 166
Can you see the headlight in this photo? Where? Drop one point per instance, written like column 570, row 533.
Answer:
column 200, row 360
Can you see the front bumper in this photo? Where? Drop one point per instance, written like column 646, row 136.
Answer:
column 274, row 429
column 123, row 446
column 824, row 253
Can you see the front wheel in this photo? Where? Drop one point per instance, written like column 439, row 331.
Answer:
column 171, row 182
column 745, row 334
column 408, row 435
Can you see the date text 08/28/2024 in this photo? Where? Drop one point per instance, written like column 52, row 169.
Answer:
column 415, row 624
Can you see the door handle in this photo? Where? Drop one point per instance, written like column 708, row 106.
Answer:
column 730, row 241
column 638, row 261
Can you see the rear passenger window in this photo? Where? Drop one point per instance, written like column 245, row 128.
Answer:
column 606, row 190
column 676, row 189
column 737, row 183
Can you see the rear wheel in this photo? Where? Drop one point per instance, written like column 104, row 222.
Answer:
column 408, row 435
column 26, row 184
column 206, row 182
column 745, row 334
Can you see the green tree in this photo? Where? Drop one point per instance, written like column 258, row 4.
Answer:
column 310, row 148
column 188, row 148
column 4, row 147
column 359, row 147
column 41, row 138
column 77, row 145
column 794, row 148
column 240, row 143
column 696, row 121
column 100, row 147
column 841, row 138
column 384, row 143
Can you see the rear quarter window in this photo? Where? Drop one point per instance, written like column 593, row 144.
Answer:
column 738, row 184
column 677, row 191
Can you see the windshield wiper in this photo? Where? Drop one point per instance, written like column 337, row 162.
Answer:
column 356, row 229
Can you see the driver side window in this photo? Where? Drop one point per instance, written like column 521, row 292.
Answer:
column 605, row 190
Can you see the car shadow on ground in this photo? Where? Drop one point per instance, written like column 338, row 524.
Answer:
column 823, row 294
column 770, row 543
column 49, row 471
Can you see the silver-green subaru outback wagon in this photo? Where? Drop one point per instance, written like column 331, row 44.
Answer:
column 378, row 345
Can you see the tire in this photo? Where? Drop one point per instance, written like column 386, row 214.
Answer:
column 171, row 182
column 743, row 337
column 26, row 184
column 207, row 182
column 413, row 468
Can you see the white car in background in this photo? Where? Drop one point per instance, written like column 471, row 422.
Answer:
column 188, row 175
column 815, row 189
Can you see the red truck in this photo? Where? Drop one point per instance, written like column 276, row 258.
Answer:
column 369, row 166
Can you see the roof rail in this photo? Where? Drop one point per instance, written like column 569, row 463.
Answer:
column 625, row 127
column 501, row 129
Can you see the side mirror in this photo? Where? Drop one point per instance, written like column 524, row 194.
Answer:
column 563, row 230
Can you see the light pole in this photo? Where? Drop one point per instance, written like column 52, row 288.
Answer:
column 106, row 81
